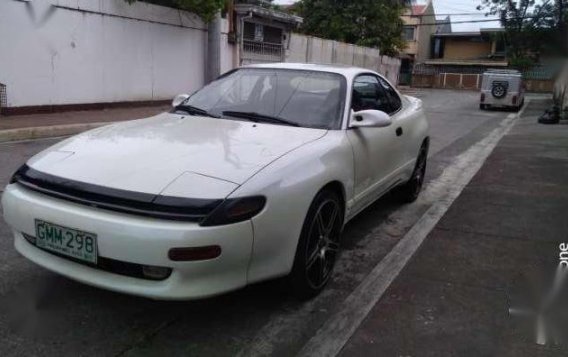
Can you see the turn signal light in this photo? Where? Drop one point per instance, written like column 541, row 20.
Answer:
column 235, row 210
column 194, row 253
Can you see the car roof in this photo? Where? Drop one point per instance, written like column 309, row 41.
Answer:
column 345, row 70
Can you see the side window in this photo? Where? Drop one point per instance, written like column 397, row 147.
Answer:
column 394, row 99
column 369, row 94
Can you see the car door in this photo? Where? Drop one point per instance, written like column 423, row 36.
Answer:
column 404, row 147
column 374, row 157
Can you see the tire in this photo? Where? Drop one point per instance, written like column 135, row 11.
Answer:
column 318, row 246
column 499, row 91
column 482, row 106
column 410, row 191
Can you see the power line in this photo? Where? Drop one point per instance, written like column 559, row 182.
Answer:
column 456, row 22
column 471, row 21
column 448, row 14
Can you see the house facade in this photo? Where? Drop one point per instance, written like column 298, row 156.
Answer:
column 486, row 46
column 417, row 32
column 262, row 34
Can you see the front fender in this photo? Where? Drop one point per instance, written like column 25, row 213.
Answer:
column 290, row 184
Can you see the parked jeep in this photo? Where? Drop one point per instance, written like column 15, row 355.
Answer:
column 502, row 88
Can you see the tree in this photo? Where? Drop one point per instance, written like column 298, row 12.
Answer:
column 206, row 9
column 529, row 27
column 371, row 23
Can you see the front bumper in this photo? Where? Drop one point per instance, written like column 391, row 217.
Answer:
column 134, row 239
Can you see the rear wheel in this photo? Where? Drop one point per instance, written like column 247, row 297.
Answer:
column 318, row 246
column 410, row 191
column 518, row 109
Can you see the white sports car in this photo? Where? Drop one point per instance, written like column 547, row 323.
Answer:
column 250, row 178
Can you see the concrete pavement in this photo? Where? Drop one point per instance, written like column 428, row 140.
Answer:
column 496, row 249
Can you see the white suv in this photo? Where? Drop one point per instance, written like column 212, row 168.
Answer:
column 502, row 89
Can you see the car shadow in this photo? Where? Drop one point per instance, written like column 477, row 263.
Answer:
column 356, row 229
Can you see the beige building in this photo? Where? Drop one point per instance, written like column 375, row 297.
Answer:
column 471, row 48
column 417, row 32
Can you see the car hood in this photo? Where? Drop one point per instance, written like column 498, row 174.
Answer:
column 172, row 154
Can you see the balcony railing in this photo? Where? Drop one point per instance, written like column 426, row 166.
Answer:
column 262, row 51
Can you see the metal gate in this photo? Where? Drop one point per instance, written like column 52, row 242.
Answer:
column 261, row 52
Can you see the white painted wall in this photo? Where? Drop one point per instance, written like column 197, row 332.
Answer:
column 316, row 50
column 55, row 52
column 112, row 52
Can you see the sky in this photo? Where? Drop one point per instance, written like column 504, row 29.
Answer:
column 452, row 7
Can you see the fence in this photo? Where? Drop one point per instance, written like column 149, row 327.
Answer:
column 537, row 79
column 254, row 52
column 317, row 50
column 106, row 51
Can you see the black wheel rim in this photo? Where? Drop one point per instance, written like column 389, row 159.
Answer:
column 323, row 243
column 419, row 173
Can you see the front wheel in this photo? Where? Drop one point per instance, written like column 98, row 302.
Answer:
column 410, row 191
column 318, row 246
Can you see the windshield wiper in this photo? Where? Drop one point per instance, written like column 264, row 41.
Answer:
column 190, row 109
column 257, row 117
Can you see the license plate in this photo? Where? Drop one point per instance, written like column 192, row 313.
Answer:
column 67, row 241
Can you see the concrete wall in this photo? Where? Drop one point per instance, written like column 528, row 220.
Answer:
column 80, row 51
column 65, row 52
column 411, row 47
column 316, row 50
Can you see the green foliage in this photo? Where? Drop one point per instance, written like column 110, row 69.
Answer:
column 371, row 23
column 206, row 9
column 522, row 63
column 532, row 28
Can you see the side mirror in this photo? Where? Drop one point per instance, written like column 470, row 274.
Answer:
column 370, row 118
column 179, row 99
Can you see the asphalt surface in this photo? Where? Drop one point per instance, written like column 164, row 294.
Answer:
column 484, row 276
column 43, row 313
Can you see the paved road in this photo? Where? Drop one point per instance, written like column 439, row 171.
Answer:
column 42, row 313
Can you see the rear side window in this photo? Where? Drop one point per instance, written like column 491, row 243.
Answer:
column 394, row 99
column 368, row 94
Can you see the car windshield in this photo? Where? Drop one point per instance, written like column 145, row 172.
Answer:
column 304, row 98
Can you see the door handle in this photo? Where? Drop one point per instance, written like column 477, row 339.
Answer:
column 398, row 131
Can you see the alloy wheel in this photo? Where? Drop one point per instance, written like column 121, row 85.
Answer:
column 323, row 243
column 419, row 173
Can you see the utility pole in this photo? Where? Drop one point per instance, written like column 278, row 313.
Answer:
column 213, row 67
column 563, row 28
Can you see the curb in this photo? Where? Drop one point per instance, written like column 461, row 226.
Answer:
column 41, row 132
